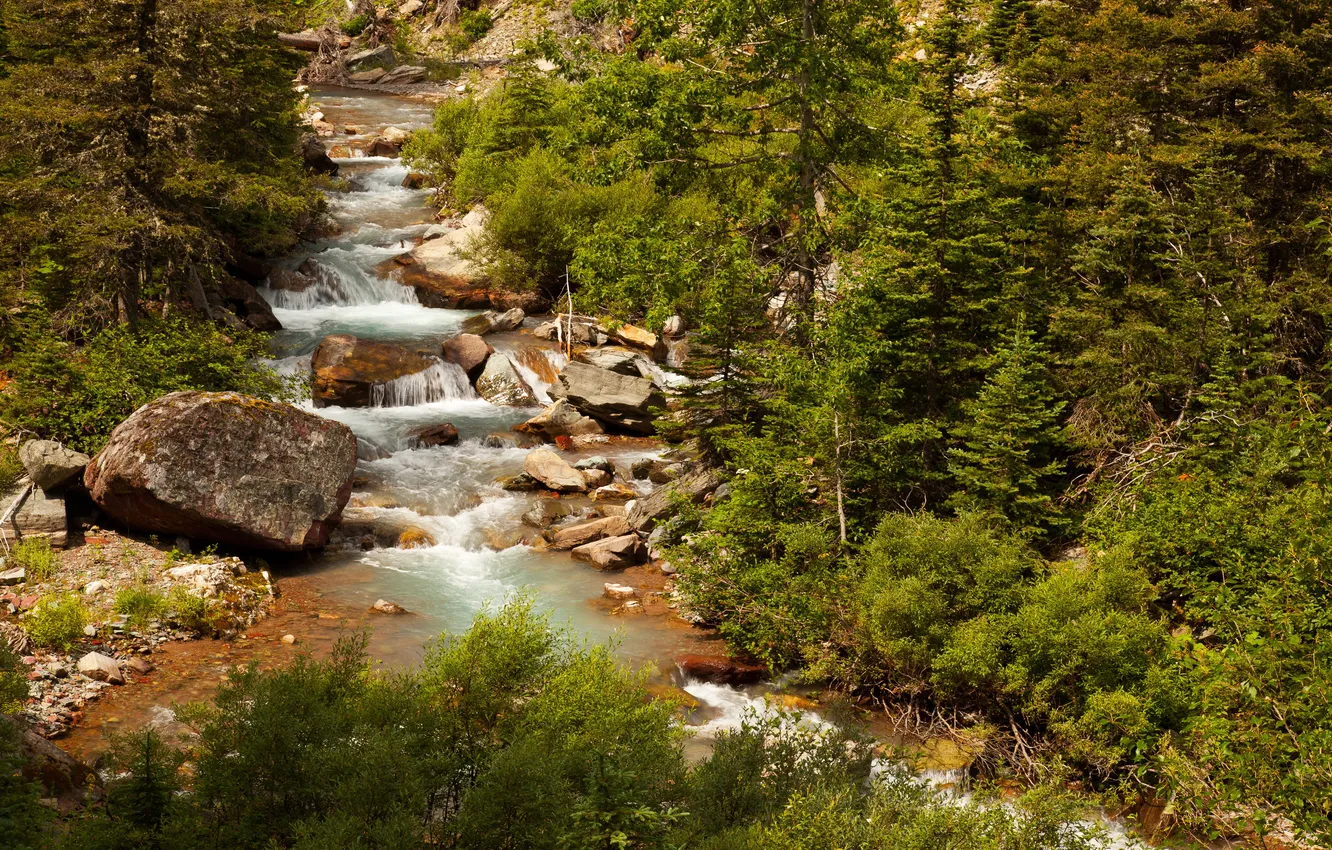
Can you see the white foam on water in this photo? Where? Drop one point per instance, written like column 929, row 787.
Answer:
column 441, row 381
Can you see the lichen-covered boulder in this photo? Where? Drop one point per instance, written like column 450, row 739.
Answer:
column 228, row 468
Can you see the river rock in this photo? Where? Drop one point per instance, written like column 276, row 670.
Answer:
column 315, row 155
column 595, row 462
column 554, row 472
column 648, row 509
column 227, row 468
column 618, row 591
column 383, row 606
column 614, row 492
column 617, row 400
column 443, row 434
column 546, row 512
column 520, row 483
column 501, row 384
column 380, row 146
column 612, row 553
column 101, row 668
column 492, row 322
column 470, row 352
column 345, row 369
column 638, row 338
column 368, row 77
column 382, row 55
column 559, row 420
column 247, row 304
column 50, row 465
column 720, row 669
column 613, row 358
column 404, row 75
column 596, row 478
column 569, row 536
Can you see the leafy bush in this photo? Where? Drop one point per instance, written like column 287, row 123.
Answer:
column 78, row 395
column 590, row 10
column 35, row 555
column 141, row 604
column 356, row 25
column 57, row 623
column 187, row 610
column 475, row 23
column 11, row 468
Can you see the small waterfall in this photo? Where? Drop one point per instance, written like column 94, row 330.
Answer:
column 540, row 368
column 338, row 279
column 441, row 381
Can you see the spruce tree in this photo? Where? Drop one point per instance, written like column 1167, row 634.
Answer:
column 1008, row 462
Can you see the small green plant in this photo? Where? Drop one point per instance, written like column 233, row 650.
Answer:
column 58, row 622
column 34, row 554
column 11, row 468
column 355, row 26
column 187, row 610
column 475, row 23
column 141, row 604
column 590, row 10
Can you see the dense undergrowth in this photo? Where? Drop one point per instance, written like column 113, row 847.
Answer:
column 511, row 735
column 1019, row 312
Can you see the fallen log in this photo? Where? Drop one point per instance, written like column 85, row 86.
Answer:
column 301, row 40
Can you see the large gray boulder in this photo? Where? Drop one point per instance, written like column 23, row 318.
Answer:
column 621, row 401
column 50, row 465
column 227, row 468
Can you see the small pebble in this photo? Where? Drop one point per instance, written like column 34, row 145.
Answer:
column 289, row 639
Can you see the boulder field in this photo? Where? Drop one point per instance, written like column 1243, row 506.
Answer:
column 227, row 468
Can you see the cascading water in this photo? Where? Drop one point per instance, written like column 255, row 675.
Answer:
column 441, row 381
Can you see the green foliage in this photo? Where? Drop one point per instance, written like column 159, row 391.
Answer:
column 78, row 395
column 11, row 468
column 356, row 25
column 36, row 557
column 141, row 604
column 187, row 610
column 57, row 623
column 23, row 818
column 474, row 23
column 591, row 10
column 13, row 681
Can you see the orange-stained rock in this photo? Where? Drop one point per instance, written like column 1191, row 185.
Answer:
column 345, row 369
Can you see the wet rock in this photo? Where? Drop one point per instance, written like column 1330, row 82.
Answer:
column 470, row 352
column 245, row 302
column 227, row 468
column 443, row 434
column 620, row 401
column 614, row 492
column 501, row 384
column 612, row 553
column 289, row 281
column 506, row 440
column 414, row 180
column 315, row 156
column 493, row 322
column 416, row 538
column 381, row 55
column 666, row 473
column 520, row 483
column 579, row 533
column 383, row 147
column 345, row 369
column 649, row 509
column 50, row 465
column 596, row 477
column 546, row 512
column 618, row 591
column 101, row 668
column 383, row 606
column 554, row 472
column 720, row 669
column 561, row 419
column 595, row 462
column 139, row 665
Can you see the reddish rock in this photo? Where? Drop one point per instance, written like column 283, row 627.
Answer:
column 345, row 369
column 719, row 668
column 227, row 468
column 443, row 434
column 613, row 553
column 569, row 536
column 470, row 352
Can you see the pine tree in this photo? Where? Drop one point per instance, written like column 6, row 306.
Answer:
column 1008, row 460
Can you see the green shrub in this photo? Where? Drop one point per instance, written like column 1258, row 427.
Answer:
column 475, row 23
column 355, row 26
column 35, row 555
column 187, row 610
column 590, row 10
column 11, row 468
column 78, row 395
column 57, row 623
column 141, row 604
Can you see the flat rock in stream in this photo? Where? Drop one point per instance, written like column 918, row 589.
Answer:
column 613, row 553
column 561, row 419
column 554, row 472
column 579, row 533
column 226, row 468
column 621, row 401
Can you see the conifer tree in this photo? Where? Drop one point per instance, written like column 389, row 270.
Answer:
column 1008, row 461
